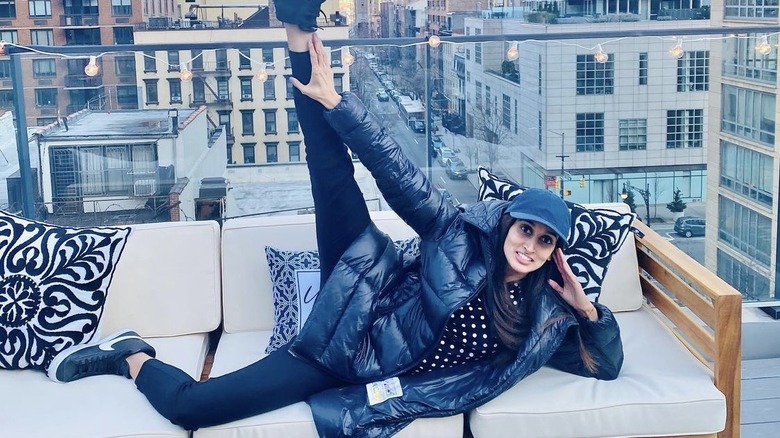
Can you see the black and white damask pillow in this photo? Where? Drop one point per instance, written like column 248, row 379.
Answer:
column 596, row 234
column 53, row 286
column 295, row 276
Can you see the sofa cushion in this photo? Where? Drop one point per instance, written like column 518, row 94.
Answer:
column 246, row 282
column 95, row 407
column 661, row 390
column 237, row 350
column 596, row 234
column 293, row 271
column 53, row 286
column 171, row 289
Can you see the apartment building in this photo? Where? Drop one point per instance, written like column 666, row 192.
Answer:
column 56, row 85
column 742, row 161
column 258, row 114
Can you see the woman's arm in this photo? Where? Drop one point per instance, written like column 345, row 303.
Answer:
column 403, row 185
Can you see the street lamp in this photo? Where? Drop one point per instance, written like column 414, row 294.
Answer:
column 644, row 193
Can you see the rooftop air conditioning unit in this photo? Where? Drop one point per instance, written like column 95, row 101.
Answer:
column 144, row 187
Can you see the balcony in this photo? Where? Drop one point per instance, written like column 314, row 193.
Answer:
column 210, row 99
column 79, row 20
column 76, row 81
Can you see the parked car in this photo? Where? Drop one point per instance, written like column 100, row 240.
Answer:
column 690, row 226
column 456, row 169
column 437, row 143
column 454, row 123
column 445, row 154
column 382, row 96
column 417, row 125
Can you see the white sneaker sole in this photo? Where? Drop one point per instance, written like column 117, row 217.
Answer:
column 64, row 354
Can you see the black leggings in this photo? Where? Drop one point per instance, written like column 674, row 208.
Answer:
column 279, row 379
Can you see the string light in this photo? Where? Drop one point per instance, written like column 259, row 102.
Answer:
column 677, row 51
column 434, row 41
column 347, row 58
column 91, row 69
column 2, row 48
column 513, row 53
column 763, row 47
column 184, row 73
column 600, row 56
column 262, row 75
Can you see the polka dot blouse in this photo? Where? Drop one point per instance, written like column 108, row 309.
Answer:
column 467, row 337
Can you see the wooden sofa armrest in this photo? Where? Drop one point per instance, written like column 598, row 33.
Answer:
column 686, row 283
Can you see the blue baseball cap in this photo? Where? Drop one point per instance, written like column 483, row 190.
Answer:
column 544, row 207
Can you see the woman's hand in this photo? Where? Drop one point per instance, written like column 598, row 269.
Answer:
column 572, row 291
column 321, row 86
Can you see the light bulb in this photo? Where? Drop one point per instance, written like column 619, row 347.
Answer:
column 91, row 69
column 346, row 58
column 2, row 48
column 262, row 75
column 434, row 41
column 600, row 56
column 184, row 73
column 677, row 51
column 763, row 47
column 512, row 54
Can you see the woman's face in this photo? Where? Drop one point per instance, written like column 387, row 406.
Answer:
column 527, row 246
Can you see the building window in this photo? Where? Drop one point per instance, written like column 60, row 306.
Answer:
column 150, row 62
column 102, row 170
column 750, row 10
column 338, row 82
column 745, row 230
column 590, row 132
column 294, row 148
column 287, row 58
column 246, row 88
column 127, row 96
column 478, row 94
column 222, row 62
column 753, row 285
column 7, row 9
column 633, row 134
column 5, row 69
column 488, row 106
column 244, row 59
column 125, row 65
column 249, row 152
column 44, row 68
column 539, row 74
column 292, row 121
column 643, row 68
column 196, row 60
column 269, row 88
column 151, row 90
column 684, row 128
column 6, row 98
column 248, row 122
column 223, row 90
column 270, row 121
column 289, row 86
column 174, row 86
column 271, row 152
column 506, row 111
column 746, row 172
column 594, row 77
column 693, row 71
column 740, row 59
column 121, row 7
column 42, row 37
column 173, row 60
column 40, row 8
column 749, row 114
column 539, row 130
column 478, row 53
column 198, row 91
column 123, row 35
column 9, row 36
column 268, row 56
column 45, row 97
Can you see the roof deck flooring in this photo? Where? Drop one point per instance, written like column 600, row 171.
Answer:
column 761, row 398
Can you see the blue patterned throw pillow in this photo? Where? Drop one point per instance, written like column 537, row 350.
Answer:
column 53, row 285
column 296, row 282
column 596, row 234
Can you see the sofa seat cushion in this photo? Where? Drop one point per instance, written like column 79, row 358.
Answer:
column 237, row 350
column 95, row 407
column 661, row 390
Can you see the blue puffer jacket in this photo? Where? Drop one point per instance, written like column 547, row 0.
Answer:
column 378, row 315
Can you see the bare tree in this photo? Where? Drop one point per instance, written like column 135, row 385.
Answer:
column 490, row 127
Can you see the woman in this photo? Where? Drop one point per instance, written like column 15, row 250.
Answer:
column 474, row 314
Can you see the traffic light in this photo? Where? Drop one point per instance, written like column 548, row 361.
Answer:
column 582, row 182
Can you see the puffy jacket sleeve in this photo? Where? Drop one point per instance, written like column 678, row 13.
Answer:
column 601, row 338
column 407, row 190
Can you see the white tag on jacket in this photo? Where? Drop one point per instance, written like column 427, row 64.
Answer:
column 383, row 390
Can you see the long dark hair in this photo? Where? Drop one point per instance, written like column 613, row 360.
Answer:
column 512, row 322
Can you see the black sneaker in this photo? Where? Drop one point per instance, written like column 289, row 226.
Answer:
column 106, row 356
column 304, row 13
